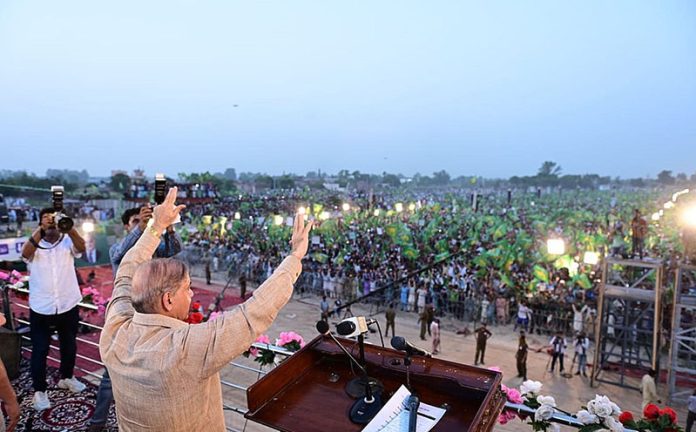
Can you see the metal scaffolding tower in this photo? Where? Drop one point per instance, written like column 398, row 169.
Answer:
column 682, row 347
column 627, row 332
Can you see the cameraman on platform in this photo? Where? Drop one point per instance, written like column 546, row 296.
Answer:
column 135, row 222
column 53, row 297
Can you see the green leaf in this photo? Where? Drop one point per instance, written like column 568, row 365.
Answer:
column 540, row 273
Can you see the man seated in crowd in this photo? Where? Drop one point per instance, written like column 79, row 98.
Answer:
column 159, row 365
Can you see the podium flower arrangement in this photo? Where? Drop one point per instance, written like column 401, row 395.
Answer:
column 654, row 420
column 291, row 341
column 599, row 415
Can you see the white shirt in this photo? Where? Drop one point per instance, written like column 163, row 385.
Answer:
column 582, row 347
column 522, row 312
column 558, row 343
column 53, row 285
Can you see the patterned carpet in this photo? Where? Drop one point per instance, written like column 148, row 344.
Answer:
column 69, row 412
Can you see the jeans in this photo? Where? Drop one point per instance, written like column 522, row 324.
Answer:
column 582, row 363
column 559, row 357
column 104, row 398
column 42, row 326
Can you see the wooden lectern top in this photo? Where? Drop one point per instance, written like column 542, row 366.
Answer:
column 306, row 392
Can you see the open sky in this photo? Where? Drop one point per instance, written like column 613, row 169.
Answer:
column 489, row 88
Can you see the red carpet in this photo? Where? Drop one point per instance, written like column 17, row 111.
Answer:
column 101, row 278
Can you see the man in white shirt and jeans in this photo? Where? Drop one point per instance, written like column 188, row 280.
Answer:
column 53, row 298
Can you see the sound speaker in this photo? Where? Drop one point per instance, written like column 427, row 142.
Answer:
column 10, row 351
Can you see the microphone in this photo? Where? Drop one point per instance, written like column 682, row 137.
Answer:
column 354, row 326
column 323, row 328
column 400, row 344
column 364, row 409
column 412, row 404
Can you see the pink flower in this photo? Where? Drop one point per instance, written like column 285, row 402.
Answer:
column 287, row 337
column 4, row 276
column 506, row 416
column 15, row 274
column 514, row 396
column 261, row 339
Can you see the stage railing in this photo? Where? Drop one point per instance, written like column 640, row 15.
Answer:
column 228, row 405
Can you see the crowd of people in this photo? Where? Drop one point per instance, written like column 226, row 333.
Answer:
column 480, row 260
column 487, row 266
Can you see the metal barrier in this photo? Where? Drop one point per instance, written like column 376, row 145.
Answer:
column 558, row 417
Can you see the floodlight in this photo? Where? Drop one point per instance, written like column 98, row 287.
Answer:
column 87, row 227
column 345, row 207
column 399, row 207
column 688, row 217
column 237, row 216
column 591, row 258
column 555, row 246
column 277, row 220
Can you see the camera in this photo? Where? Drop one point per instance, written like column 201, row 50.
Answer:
column 160, row 188
column 62, row 221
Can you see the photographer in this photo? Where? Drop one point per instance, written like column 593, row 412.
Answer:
column 582, row 344
column 53, row 298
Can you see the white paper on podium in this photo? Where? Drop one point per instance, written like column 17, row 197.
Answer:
column 393, row 417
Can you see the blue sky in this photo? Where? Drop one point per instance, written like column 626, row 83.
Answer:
column 476, row 88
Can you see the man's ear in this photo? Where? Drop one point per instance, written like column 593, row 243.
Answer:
column 167, row 302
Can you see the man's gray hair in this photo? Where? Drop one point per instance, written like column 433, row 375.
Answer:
column 154, row 278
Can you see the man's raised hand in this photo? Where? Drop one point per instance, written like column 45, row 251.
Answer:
column 300, row 236
column 166, row 213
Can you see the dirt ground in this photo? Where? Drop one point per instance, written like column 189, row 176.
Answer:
column 301, row 314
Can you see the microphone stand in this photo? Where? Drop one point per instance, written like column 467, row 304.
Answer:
column 364, row 408
column 357, row 387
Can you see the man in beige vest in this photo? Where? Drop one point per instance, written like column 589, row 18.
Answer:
column 165, row 372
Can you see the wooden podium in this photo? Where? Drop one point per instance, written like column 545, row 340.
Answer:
column 306, row 392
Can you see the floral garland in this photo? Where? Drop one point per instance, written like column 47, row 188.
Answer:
column 600, row 414
column 13, row 279
column 291, row 341
column 91, row 295
column 654, row 420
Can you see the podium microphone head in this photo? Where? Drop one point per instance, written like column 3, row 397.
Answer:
column 322, row 327
column 399, row 343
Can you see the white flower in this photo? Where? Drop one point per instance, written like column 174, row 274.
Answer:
column 544, row 412
column 601, row 406
column 613, row 424
column 585, row 417
column 546, row 400
column 531, row 387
